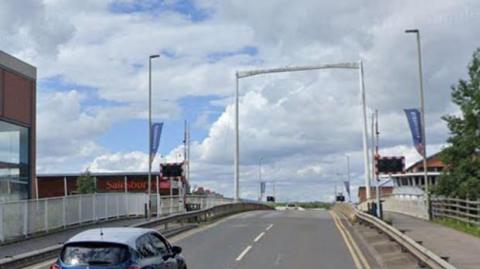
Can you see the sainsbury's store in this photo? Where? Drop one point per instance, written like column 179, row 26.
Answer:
column 54, row 185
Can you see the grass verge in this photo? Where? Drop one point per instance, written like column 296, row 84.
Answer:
column 460, row 226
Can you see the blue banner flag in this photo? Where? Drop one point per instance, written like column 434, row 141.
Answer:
column 155, row 143
column 347, row 187
column 262, row 187
column 415, row 122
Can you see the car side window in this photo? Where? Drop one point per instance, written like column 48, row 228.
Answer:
column 145, row 247
column 159, row 244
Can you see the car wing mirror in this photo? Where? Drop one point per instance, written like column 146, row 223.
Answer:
column 176, row 250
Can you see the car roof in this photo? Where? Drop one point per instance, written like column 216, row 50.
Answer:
column 124, row 236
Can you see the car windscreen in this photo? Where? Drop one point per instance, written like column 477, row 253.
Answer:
column 94, row 253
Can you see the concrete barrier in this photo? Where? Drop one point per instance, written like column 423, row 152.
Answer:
column 412, row 207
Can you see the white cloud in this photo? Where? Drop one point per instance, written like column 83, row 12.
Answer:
column 302, row 124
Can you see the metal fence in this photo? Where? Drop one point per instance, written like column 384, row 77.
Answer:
column 23, row 218
column 174, row 204
column 462, row 210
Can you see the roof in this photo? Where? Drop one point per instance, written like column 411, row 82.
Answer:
column 433, row 156
column 124, row 236
column 18, row 66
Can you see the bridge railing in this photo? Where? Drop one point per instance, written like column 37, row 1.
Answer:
column 225, row 207
column 466, row 211
column 20, row 219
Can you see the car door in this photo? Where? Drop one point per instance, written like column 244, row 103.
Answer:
column 170, row 262
column 149, row 256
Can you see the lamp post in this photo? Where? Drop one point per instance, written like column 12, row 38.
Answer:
column 351, row 65
column 422, row 115
column 260, row 177
column 150, row 132
column 348, row 178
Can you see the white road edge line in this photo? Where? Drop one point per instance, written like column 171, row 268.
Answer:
column 244, row 252
column 269, row 227
column 258, row 237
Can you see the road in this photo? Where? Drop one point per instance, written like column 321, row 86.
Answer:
column 266, row 239
column 269, row 239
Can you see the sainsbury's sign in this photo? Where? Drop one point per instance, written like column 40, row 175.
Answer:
column 116, row 185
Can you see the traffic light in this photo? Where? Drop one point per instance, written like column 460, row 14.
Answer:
column 390, row 165
column 172, row 170
column 270, row 199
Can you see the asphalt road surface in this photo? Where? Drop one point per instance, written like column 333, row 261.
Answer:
column 269, row 239
column 266, row 239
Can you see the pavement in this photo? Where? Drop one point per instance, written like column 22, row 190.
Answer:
column 265, row 239
column 462, row 249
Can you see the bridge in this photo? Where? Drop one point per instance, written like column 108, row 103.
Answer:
column 223, row 233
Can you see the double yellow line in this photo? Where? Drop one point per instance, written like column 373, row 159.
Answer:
column 358, row 257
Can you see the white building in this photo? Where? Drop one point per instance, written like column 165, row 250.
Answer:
column 411, row 184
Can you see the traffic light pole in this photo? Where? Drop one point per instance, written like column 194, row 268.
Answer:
column 149, row 198
column 377, row 155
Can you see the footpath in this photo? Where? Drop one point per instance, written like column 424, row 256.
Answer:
column 462, row 249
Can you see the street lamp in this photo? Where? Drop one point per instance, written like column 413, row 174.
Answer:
column 422, row 115
column 243, row 74
column 348, row 177
column 150, row 131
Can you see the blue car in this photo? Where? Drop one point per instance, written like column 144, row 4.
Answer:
column 119, row 248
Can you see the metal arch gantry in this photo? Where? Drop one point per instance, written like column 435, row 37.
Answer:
column 249, row 73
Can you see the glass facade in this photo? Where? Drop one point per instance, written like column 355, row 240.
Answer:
column 14, row 162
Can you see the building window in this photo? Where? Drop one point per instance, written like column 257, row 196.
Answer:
column 14, row 162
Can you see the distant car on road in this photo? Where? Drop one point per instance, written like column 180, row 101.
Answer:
column 291, row 206
column 119, row 248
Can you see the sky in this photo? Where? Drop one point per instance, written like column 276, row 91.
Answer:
column 92, row 90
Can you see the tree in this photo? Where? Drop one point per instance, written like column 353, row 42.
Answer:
column 461, row 178
column 86, row 183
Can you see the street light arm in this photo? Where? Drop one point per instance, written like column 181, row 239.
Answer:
column 250, row 73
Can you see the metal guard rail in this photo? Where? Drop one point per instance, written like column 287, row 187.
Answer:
column 420, row 252
column 30, row 258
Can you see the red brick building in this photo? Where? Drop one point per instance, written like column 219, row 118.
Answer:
column 17, row 128
column 384, row 191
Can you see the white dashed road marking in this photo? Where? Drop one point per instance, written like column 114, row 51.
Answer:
column 259, row 236
column 244, row 252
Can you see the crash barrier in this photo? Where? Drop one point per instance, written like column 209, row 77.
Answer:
column 425, row 257
column 22, row 219
column 37, row 256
